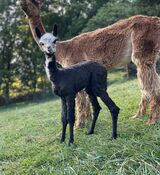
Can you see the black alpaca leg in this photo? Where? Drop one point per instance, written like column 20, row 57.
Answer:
column 71, row 132
column 64, row 119
column 96, row 108
column 71, row 117
column 114, row 110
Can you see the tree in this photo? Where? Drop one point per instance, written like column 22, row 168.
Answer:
column 148, row 7
column 20, row 60
column 8, row 23
column 110, row 13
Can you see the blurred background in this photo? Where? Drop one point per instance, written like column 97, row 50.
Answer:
column 22, row 75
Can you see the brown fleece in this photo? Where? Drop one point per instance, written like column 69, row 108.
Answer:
column 136, row 38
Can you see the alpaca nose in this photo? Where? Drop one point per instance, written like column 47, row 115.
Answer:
column 49, row 47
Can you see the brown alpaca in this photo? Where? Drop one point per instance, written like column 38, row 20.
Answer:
column 136, row 38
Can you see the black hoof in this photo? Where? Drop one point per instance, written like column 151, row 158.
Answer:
column 114, row 137
column 62, row 140
column 89, row 133
column 71, row 143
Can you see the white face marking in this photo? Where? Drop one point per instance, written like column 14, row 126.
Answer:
column 46, row 68
column 47, row 42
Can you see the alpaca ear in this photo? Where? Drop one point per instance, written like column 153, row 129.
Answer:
column 38, row 33
column 55, row 32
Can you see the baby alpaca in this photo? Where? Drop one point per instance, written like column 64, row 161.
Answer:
column 67, row 82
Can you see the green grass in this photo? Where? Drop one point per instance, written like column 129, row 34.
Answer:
column 30, row 132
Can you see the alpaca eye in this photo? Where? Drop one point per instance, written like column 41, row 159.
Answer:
column 42, row 44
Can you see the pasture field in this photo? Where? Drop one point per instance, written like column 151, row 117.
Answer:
column 30, row 132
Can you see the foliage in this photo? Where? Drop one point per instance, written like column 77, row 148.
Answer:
column 148, row 7
column 30, row 132
column 110, row 13
column 8, row 36
column 114, row 11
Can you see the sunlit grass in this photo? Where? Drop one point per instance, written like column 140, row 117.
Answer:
column 29, row 139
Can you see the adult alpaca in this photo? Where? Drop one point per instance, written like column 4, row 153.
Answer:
column 136, row 38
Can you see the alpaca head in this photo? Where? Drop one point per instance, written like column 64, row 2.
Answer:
column 48, row 41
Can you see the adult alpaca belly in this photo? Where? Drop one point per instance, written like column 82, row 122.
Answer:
column 122, row 56
column 126, row 53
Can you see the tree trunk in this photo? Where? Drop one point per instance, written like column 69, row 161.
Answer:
column 6, row 91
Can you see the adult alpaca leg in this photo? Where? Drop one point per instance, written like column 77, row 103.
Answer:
column 145, row 51
column 155, row 109
column 83, row 109
column 142, row 106
column 96, row 110
column 150, row 85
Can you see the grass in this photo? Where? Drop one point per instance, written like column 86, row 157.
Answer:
column 30, row 132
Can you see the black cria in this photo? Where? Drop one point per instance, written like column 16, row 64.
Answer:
column 67, row 82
